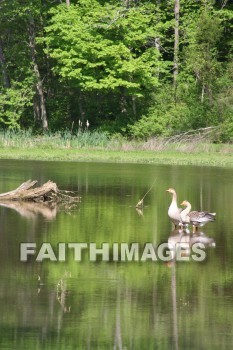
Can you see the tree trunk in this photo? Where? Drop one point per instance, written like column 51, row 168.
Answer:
column 67, row 3
column 134, row 106
column 36, row 108
column 5, row 76
column 81, row 110
column 202, row 93
column 39, row 83
column 224, row 3
column 176, row 42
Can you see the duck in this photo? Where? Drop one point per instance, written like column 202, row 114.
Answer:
column 173, row 210
column 196, row 218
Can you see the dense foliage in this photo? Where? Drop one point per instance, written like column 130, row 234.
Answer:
column 118, row 64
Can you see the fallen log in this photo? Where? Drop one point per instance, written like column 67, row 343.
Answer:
column 48, row 192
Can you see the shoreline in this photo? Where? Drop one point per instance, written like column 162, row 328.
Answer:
column 113, row 156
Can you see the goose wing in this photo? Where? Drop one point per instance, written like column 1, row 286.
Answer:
column 201, row 216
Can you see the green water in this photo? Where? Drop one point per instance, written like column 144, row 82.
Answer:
column 112, row 305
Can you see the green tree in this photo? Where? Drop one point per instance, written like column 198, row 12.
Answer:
column 115, row 63
column 20, row 22
column 105, row 49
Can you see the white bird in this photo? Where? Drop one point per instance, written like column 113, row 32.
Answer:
column 173, row 210
column 196, row 218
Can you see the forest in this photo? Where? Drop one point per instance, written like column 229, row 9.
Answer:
column 132, row 67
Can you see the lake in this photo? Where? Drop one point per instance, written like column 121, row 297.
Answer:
column 111, row 304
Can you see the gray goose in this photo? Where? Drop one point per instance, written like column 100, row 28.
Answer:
column 173, row 210
column 196, row 218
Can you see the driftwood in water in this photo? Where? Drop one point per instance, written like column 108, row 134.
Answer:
column 140, row 203
column 48, row 192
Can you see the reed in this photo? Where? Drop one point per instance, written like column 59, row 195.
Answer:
column 188, row 142
column 60, row 139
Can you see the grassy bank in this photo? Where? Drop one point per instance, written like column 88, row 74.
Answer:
column 146, row 157
column 99, row 147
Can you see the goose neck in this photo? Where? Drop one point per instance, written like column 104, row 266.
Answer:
column 187, row 209
column 174, row 198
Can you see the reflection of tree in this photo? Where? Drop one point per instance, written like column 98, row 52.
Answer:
column 180, row 237
column 62, row 292
column 118, row 338
column 185, row 241
column 174, row 307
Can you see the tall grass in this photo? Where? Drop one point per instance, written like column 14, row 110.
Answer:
column 187, row 142
column 61, row 139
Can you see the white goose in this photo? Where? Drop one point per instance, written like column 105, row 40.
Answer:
column 196, row 218
column 173, row 210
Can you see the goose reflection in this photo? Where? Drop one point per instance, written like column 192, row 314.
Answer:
column 181, row 239
column 185, row 241
column 202, row 238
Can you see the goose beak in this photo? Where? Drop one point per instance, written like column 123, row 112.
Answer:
column 182, row 203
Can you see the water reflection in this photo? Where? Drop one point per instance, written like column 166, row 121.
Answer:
column 62, row 292
column 31, row 210
column 129, row 305
column 174, row 308
column 181, row 240
column 139, row 211
column 118, row 333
